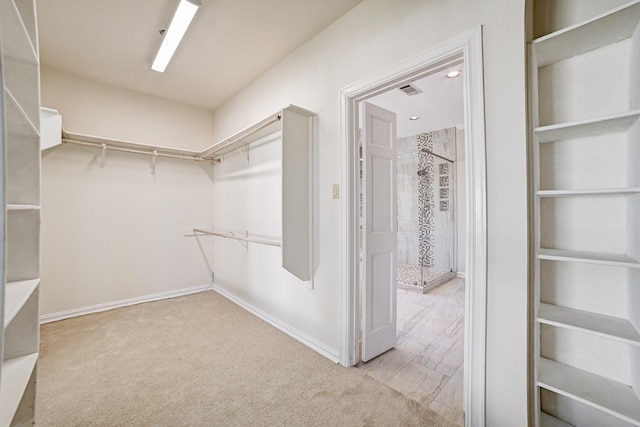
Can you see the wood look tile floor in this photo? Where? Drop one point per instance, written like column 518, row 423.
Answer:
column 426, row 364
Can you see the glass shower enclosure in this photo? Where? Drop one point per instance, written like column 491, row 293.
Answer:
column 426, row 209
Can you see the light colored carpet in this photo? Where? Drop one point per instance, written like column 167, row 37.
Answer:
column 200, row 360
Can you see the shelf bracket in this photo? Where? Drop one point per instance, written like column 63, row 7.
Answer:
column 153, row 162
column 245, row 154
column 245, row 244
column 103, row 156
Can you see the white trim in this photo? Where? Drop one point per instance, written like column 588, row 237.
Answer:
column 61, row 315
column 476, row 263
column 305, row 339
column 461, row 275
column 466, row 47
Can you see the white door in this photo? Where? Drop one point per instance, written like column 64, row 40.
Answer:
column 380, row 231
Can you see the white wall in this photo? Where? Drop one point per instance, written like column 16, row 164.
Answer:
column 92, row 108
column 117, row 233
column 373, row 36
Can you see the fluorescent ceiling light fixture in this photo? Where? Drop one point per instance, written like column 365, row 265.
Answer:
column 453, row 74
column 414, row 117
column 178, row 25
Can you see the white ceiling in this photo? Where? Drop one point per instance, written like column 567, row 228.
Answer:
column 230, row 42
column 439, row 106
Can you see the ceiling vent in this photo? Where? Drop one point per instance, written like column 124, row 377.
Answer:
column 410, row 89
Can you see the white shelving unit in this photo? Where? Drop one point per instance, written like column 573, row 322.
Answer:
column 296, row 127
column 547, row 420
column 585, row 149
column 20, row 215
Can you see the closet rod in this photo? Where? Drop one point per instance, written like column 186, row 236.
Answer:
column 226, row 143
column 130, row 150
column 244, row 239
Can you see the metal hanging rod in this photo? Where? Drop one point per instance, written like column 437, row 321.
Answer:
column 244, row 239
column 154, row 153
column 239, row 139
column 214, row 153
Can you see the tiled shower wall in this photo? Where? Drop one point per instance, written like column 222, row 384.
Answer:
column 426, row 200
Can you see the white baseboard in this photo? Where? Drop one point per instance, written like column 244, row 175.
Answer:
column 327, row 352
column 461, row 274
column 53, row 317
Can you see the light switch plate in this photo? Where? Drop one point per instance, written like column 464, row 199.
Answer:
column 336, row 191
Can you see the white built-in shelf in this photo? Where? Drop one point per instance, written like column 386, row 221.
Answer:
column 50, row 128
column 593, row 390
column 20, row 141
column 16, row 373
column 11, row 24
column 588, row 257
column 78, row 137
column 246, row 136
column 16, row 295
column 18, row 121
column 20, row 57
column 27, row 10
column 610, row 27
column 17, row 81
column 22, row 241
column 596, row 324
column 547, row 420
column 13, row 207
column 589, row 192
column 584, row 128
column 572, row 149
column 22, row 153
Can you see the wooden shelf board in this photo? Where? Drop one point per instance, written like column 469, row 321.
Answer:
column 16, row 294
column 13, row 28
column 15, row 377
column 596, row 324
column 588, row 257
column 598, row 392
column 547, row 420
column 591, row 127
column 588, row 192
column 607, row 28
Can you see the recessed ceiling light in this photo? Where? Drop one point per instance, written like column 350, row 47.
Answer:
column 184, row 13
column 453, row 74
column 414, row 117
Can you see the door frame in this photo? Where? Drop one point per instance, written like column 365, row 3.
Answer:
column 468, row 48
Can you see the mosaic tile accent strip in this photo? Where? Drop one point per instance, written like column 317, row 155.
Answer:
column 426, row 205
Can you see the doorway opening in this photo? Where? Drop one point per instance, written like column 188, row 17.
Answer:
column 362, row 302
column 426, row 363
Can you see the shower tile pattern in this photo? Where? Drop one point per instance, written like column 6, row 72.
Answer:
column 411, row 274
column 425, row 212
column 425, row 201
